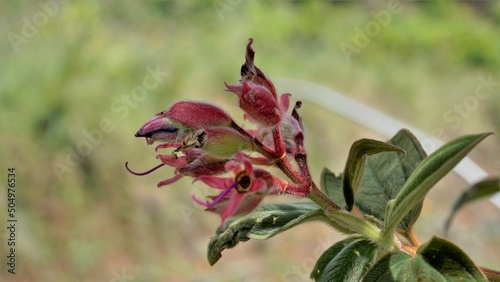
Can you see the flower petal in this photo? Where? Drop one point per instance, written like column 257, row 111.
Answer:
column 257, row 185
column 233, row 166
column 217, row 182
column 285, row 102
column 232, row 206
column 169, row 181
column 172, row 161
column 246, row 162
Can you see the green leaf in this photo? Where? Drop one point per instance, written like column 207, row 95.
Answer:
column 418, row 270
column 451, row 262
column 388, row 267
column 481, row 189
column 436, row 260
column 385, row 174
column 332, row 186
column 428, row 173
column 328, row 255
column 354, row 168
column 351, row 262
column 267, row 221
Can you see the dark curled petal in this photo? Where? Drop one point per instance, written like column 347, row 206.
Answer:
column 296, row 115
column 244, row 70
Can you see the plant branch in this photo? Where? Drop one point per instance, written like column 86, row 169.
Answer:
column 413, row 237
column 492, row 275
column 321, row 199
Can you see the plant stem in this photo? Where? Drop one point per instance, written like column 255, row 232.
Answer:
column 321, row 199
column 284, row 165
column 279, row 148
column 413, row 237
column 301, row 159
column 280, row 160
column 492, row 275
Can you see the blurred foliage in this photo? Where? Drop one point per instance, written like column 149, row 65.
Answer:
column 78, row 66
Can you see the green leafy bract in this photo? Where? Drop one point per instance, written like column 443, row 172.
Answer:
column 346, row 260
column 383, row 177
column 436, row 260
column 426, row 175
column 353, row 171
column 267, row 221
column 331, row 184
column 329, row 254
column 387, row 268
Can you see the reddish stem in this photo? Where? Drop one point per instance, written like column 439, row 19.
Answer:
column 280, row 160
column 279, row 147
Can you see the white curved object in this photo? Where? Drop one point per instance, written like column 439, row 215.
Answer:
column 374, row 120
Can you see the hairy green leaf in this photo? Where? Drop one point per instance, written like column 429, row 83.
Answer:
column 332, row 186
column 267, row 221
column 387, row 268
column 450, row 261
column 353, row 171
column 385, row 174
column 329, row 254
column 418, row 270
column 479, row 190
column 436, row 260
column 428, row 173
column 350, row 262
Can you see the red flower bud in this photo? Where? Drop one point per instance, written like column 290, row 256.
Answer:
column 257, row 102
column 197, row 115
column 250, row 72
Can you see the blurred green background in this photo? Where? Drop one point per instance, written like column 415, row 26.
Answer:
column 71, row 73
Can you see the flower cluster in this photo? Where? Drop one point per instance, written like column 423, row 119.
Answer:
column 208, row 146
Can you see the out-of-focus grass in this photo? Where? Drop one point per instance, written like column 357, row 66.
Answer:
column 96, row 220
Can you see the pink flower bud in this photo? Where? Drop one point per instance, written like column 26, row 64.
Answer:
column 161, row 129
column 258, row 102
column 197, row 115
column 250, row 72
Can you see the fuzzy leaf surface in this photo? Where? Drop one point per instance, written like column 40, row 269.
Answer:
column 350, row 262
column 436, row 260
column 353, row 172
column 266, row 222
column 385, row 174
column 328, row 255
column 426, row 175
